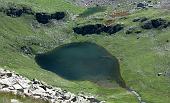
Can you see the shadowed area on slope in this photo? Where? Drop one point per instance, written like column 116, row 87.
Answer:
column 82, row 61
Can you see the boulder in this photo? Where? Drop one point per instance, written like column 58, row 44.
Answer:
column 67, row 96
column 133, row 29
column 140, row 19
column 9, row 74
column 144, row 4
column 159, row 23
column 141, row 5
column 147, row 25
column 159, row 74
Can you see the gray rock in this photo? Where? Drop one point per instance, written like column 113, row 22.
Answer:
column 11, row 82
column 17, row 86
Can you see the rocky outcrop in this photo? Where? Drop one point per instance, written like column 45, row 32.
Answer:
column 155, row 23
column 97, row 29
column 44, row 18
column 140, row 19
column 12, row 82
column 26, row 50
column 144, row 4
column 17, row 12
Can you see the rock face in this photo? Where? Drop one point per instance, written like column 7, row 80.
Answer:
column 155, row 23
column 97, row 29
column 11, row 82
column 44, row 18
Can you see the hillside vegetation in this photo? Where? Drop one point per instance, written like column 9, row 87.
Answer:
column 142, row 55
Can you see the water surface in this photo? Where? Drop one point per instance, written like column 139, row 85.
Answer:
column 92, row 10
column 81, row 61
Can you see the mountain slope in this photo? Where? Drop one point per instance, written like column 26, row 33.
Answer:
column 142, row 55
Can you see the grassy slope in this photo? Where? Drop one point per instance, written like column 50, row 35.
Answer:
column 45, row 5
column 139, row 66
column 14, row 60
column 17, row 32
column 6, row 98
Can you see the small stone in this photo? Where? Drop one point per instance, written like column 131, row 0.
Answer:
column 14, row 101
column 159, row 74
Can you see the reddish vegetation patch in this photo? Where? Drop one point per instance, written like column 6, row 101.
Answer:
column 119, row 14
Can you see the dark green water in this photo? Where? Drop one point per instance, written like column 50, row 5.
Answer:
column 81, row 61
column 92, row 10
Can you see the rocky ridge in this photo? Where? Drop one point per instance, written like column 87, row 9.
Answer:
column 15, row 83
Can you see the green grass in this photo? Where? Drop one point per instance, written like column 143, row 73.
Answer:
column 13, row 37
column 6, row 98
column 140, row 59
column 45, row 5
